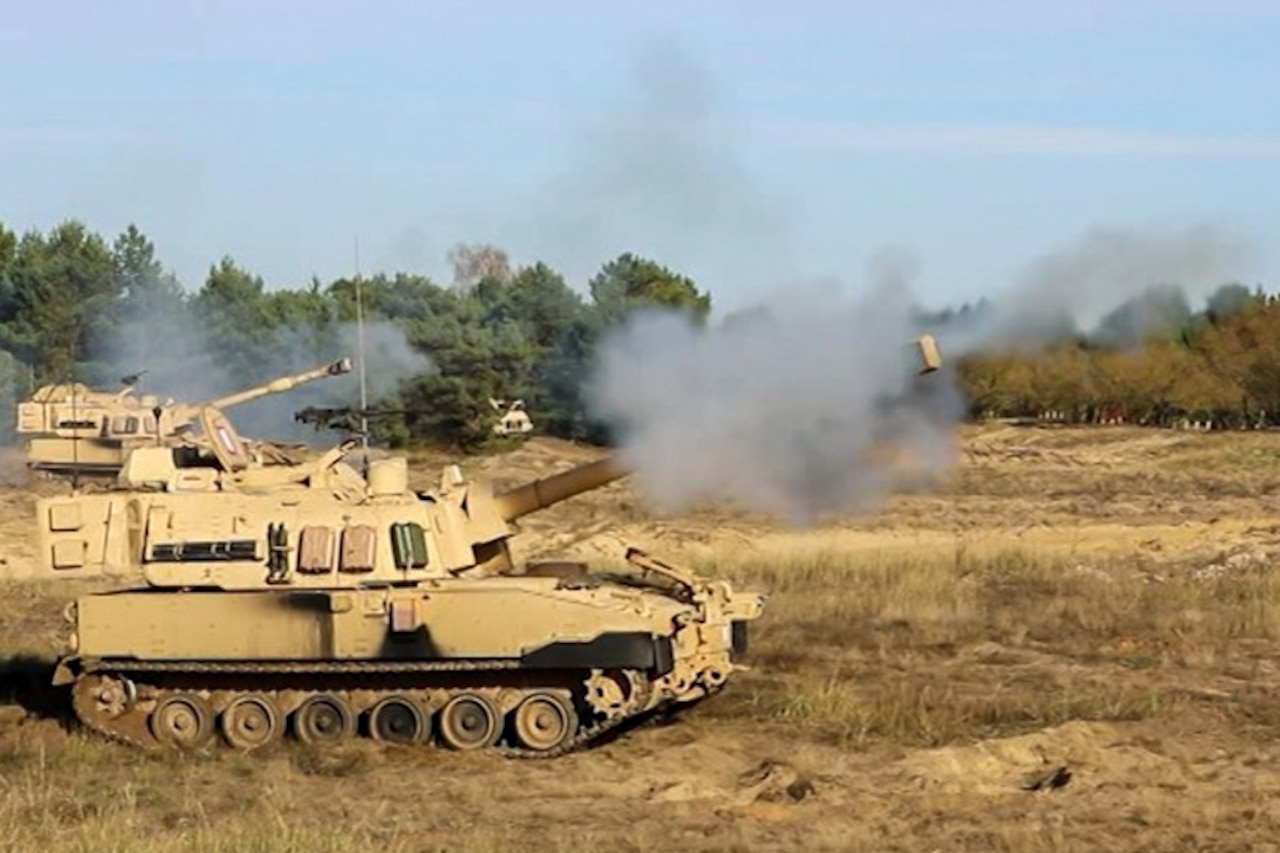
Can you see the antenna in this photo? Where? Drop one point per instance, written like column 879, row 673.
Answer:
column 364, row 399
column 75, row 435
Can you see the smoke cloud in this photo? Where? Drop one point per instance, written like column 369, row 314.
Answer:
column 783, row 409
column 186, row 365
column 660, row 170
column 809, row 405
column 1113, row 285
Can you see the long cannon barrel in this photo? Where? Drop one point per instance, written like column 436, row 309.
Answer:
column 540, row 494
column 275, row 386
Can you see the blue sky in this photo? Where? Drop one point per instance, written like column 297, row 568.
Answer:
column 749, row 144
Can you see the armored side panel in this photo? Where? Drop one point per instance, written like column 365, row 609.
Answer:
column 292, row 538
column 529, row 620
column 91, row 457
column 89, row 535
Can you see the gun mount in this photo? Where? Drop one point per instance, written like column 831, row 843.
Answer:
column 346, row 418
column 73, row 431
column 514, row 420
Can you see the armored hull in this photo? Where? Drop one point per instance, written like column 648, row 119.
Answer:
column 532, row 665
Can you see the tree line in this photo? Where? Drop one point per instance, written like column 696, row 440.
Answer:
column 71, row 301
column 1218, row 368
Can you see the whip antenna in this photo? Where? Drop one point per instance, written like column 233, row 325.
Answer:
column 364, row 398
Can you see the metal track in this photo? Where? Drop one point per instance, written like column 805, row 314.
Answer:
column 302, row 667
column 86, row 713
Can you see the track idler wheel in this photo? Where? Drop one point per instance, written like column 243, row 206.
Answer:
column 323, row 720
column 470, row 721
column 398, row 719
column 252, row 721
column 183, row 720
column 544, row 721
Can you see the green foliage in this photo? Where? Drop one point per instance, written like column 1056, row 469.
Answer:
column 56, row 296
column 8, row 251
column 150, row 308
column 628, row 282
column 74, row 306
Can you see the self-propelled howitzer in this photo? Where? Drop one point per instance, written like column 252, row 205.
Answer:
column 72, row 430
column 340, row 603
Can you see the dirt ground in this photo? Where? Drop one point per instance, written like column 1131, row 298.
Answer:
column 1070, row 643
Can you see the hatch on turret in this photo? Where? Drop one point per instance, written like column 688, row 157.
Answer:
column 224, row 439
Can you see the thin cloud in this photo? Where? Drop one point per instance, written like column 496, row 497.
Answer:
column 1006, row 139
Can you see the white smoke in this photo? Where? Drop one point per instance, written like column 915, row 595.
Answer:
column 1081, row 287
column 660, row 170
column 781, row 410
column 790, row 408
column 188, row 365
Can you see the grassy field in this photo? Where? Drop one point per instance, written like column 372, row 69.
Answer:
column 1070, row 644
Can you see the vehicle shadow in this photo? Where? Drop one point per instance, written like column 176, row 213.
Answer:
column 26, row 681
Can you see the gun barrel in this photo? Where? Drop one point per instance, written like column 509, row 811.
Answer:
column 540, row 494
column 282, row 384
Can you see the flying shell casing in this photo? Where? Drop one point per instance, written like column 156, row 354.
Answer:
column 930, row 355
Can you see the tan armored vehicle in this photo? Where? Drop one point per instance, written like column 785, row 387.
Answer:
column 513, row 419
column 72, row 430
column 318, row 600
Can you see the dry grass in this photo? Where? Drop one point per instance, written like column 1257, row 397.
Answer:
column 929, row 648
column 1102, row 599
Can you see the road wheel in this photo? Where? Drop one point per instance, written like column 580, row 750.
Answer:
column 252, row 721
column 544, row 721
column 397, row 719
column 323, row 720
column 184, row 720
column 469, row 721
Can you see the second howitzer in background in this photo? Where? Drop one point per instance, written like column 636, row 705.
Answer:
column 74, row 431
